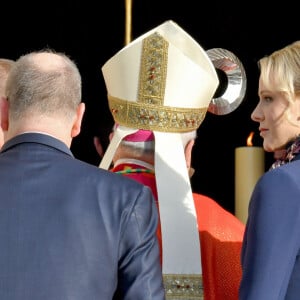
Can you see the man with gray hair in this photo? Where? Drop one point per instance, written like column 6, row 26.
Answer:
column 69, row 230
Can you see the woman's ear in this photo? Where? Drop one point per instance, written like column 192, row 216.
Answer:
column 4, row 108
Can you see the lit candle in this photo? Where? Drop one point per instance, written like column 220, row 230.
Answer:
column 249, row 166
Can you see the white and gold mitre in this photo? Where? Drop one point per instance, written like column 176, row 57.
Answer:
column 161, row 81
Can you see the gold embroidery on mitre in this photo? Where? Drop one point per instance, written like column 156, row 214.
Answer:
column 153, row 71
column 151, row 117
column 183, row 286
column 149, row 112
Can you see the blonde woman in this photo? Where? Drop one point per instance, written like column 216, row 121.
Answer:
column 271, row 246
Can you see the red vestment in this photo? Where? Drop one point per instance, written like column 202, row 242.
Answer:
column 221, row 235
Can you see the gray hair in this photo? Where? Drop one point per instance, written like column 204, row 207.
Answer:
column 147, row 148
column 32, row 88
column 5, row 67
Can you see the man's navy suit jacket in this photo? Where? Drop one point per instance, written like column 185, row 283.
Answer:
column 71, row 231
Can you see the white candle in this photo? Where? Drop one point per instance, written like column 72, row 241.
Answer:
column 249, row 166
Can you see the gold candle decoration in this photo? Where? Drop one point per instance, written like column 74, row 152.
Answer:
column 128, row 21
column 249, row 166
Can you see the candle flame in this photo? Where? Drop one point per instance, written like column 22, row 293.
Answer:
column 249, row 139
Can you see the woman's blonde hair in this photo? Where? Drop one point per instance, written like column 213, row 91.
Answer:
column 281, row 70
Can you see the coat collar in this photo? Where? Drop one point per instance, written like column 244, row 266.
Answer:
column 38, row 138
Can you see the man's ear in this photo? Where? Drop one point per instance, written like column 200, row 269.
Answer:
column 98, row 146
column 4, row 108
column 188, row 153
column 78, row 120
column 111, row 136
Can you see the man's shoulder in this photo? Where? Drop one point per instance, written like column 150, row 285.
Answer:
column 111, row 178
column 210, row 213
column 206, row 201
